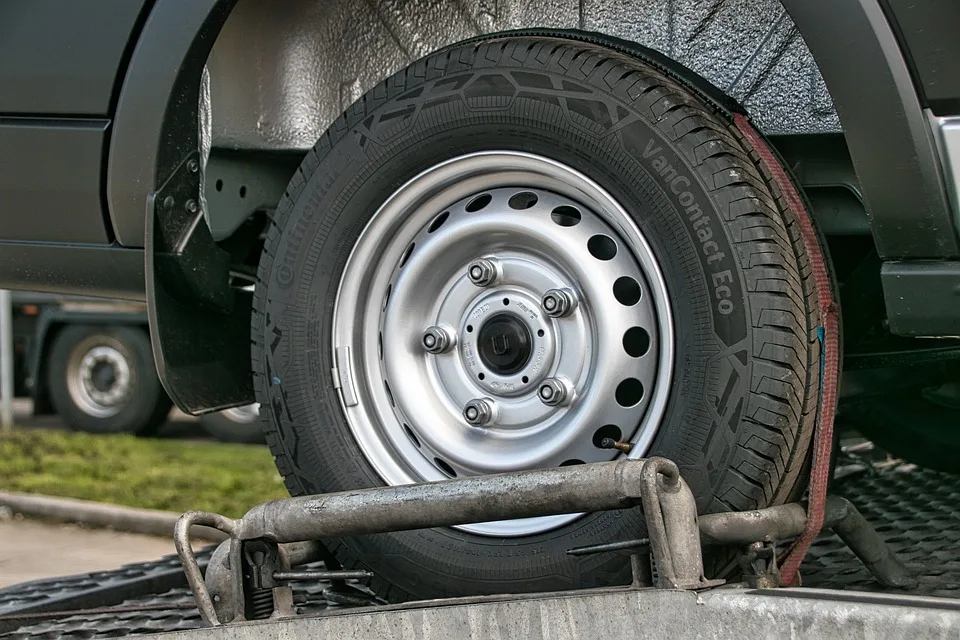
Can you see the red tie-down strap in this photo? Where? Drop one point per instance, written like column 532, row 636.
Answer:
column 829, row 338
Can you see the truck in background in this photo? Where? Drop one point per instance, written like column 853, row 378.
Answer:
column 90, row 361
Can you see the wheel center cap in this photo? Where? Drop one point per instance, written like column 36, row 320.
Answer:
column 104, row 376
column 504, row 343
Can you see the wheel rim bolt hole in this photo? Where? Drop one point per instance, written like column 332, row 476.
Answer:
column 636, row 342
column 411, row 435
column 445, row 467
column 523, row 200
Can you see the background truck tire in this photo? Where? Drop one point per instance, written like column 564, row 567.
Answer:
column 102, row 379
column 741, row 403
column 240, row 425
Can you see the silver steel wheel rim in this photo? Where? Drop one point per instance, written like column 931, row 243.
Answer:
column 409, row 271
column 85, row 360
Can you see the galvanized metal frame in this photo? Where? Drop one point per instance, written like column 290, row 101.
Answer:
column 282, row 529
column 655, row 483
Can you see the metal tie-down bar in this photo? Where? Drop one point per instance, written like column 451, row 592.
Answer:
column 761, row 527
column 655, row 483
column 248, row 574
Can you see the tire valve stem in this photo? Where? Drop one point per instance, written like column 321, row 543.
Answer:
column 610, row 443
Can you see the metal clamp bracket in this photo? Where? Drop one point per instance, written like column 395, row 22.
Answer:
column 655, row 484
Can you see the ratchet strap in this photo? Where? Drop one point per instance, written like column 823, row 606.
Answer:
column 828, row 334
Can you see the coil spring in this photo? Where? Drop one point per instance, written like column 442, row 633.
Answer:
column 261, row 604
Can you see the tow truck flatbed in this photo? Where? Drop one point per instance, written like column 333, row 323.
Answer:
column 914, row 510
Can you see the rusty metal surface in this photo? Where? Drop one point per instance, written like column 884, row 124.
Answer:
column 915, row 510
column 668, row 505
column 280, row 73
column 598, row 486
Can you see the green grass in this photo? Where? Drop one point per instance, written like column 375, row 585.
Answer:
column 156, row 474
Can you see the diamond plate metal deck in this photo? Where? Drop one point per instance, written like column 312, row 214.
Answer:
column 917, row 511
column 88, row 590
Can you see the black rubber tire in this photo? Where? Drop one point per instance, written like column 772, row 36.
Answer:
column 745, row 392
column 225, row 429
column 141, row 417
column 911, row 426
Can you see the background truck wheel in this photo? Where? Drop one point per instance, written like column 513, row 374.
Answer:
column 239, row 424
column 510, row 252
column 102, row 379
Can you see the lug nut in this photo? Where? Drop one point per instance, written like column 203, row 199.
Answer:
column 437, row 339
column 558, row 303
column 478, row 412
column 483, row 272
column 554, row 392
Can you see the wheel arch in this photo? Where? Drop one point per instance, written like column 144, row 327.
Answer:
column 295, row 98
column 155, row 136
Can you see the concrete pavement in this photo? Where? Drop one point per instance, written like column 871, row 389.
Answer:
column 31, row 550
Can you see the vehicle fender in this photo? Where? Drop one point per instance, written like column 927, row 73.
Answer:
column 880, row 110
column 174, row 36
column 886, row 129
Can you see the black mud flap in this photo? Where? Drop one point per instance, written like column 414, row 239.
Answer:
column 199, row 324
